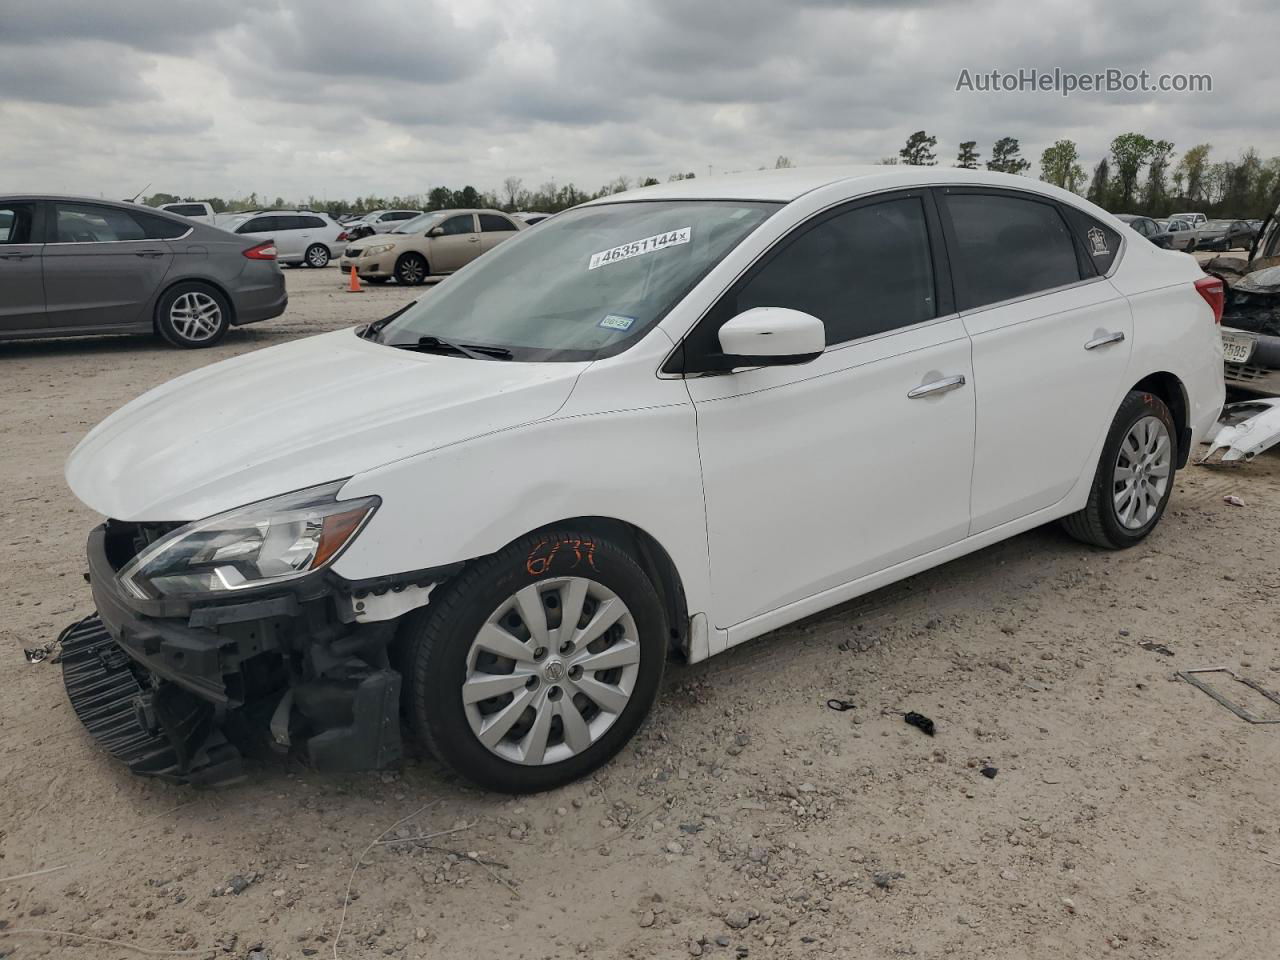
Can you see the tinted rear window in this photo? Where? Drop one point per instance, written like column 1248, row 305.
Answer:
column 1007, row 247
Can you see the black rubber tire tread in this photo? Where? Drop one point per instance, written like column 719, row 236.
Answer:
column 1097, row 523
column 438, row 636
column 426, row 269
column 171, row 336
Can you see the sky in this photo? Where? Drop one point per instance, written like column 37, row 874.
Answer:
column 336, row 100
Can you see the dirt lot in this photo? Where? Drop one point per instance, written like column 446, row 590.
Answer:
column 1130, row 816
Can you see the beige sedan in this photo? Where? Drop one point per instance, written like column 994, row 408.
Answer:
column 433, row 244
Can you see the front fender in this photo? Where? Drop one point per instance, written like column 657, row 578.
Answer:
column 471, row 499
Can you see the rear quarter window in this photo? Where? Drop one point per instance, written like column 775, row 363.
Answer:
column 1100, row 243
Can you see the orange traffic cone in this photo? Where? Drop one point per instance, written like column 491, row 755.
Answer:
column 354, row 285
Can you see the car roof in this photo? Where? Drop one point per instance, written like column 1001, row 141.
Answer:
column 788, row 184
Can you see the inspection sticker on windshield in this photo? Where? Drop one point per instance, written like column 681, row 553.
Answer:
column 616, row 321
column 638, row 248
column 1098, row 241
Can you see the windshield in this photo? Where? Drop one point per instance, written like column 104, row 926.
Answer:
column 419, row 224
column 589, row 283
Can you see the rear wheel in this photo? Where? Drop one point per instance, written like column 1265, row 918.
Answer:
column 537, row 664
column 192, row 315
column 317, row 255
column 411, row 269
column 1134, row 479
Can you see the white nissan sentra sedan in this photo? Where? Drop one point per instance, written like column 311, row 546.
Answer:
column 661, row 424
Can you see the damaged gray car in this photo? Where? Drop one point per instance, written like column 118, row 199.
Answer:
column 1251, row 318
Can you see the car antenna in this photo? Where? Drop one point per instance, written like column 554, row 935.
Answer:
column 139, row 193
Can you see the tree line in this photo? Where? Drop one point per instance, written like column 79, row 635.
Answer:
column 550, row 197
column 1138, row 174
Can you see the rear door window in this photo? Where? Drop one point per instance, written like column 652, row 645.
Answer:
column 312, row 223
column 492, row 223
column 1007, row 246
column 89, row 223
column 15, row 222
column 259, row 225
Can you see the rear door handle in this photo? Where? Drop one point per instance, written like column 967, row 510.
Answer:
column 937, row 386
column 16, row 256
column 148, row 253
column 1105, row 339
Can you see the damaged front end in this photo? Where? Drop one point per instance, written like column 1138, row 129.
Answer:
column 183, row 687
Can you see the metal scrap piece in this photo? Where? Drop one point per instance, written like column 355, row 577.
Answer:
column 1191, row 677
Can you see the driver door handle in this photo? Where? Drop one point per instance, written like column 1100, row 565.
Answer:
column 1105, row 339
column 148, row 253
column 16, row 256
column 937, row 386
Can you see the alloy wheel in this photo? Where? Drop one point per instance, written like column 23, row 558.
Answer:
column 551, row 669
column 411, row 270
column 318, row 256
column 196, row 316
column 1143, row 468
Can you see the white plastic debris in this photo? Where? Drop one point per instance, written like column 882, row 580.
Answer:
column 1245, row 430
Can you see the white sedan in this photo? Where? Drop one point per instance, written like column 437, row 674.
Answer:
column 664, row 422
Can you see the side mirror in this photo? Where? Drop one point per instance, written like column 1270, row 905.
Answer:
column 770, row 336
column 436, row 232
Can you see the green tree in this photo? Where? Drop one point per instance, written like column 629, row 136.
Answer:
column 1100, row 187
column 918, row 151
column 1155, row 195
column 1129, row 153
column 649, row 182
column 967, row 158
column 1195, row 167
column 1060, row 165
column 159, row 199
column 1006, row 156
column 782, row 163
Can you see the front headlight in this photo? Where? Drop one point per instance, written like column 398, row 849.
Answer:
column 378, row 248
column 266, row 542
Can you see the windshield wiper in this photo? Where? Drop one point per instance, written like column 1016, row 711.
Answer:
column 439, row 345
column 371, row 331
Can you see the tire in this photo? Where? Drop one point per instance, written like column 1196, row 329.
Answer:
column 1191, row 247
column 411, row 270
column 1121, row 513
column 192, row 315
column 444, row 649
column 317, row 255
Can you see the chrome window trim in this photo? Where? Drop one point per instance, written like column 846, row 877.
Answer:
column 94, row 243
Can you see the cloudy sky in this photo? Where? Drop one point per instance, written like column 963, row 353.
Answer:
column 334, row 99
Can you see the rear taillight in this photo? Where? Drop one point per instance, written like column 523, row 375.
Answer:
column 263, row 251
column 1214, row 293
column 343, row 236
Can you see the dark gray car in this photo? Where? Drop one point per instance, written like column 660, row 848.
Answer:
column 73, row 266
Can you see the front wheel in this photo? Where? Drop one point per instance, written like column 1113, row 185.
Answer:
column 317, row 255
column 538, row 663
column 1134, row 479
column 411, row 270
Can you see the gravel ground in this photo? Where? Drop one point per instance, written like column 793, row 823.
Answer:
column 1130, row 815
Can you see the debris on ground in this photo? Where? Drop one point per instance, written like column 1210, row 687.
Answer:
column 1156, row 647
column 921, row 721
column 1244, row 430
column 989, row 772
column 840, row 705
column 1233, row 500
column 1195, row 678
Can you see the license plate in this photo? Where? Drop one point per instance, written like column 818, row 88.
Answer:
column 1236, row 349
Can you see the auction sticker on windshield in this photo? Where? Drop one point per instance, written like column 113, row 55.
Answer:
column 638, row 248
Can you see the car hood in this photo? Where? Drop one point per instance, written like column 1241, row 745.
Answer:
column 296, row 415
